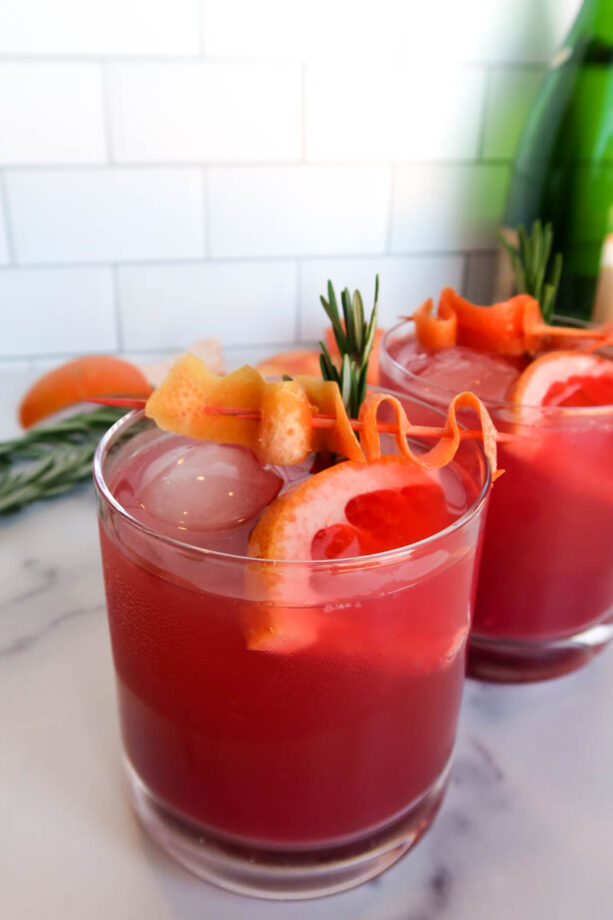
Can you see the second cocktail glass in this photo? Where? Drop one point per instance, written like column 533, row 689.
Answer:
column 545, row 596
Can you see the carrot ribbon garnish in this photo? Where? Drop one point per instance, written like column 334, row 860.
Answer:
column 511, row 327
column 450, row 436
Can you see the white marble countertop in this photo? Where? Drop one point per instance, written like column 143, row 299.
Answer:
column 525, row 833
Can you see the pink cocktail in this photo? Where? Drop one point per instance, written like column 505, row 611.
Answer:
column 545, row 594
column 306, row 764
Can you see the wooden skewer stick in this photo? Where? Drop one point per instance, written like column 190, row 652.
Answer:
column 317, row 421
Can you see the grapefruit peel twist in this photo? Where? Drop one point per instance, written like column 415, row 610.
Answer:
column 285, row 421
column 512, row 327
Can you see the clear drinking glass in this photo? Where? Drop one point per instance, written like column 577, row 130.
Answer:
column 298, row 769
column 545, row 594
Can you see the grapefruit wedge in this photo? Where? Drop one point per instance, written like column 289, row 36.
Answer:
column 291, row 363
column 579, row 388
column 78, row 380
column 565, row 379
column 351, row 509
column 348, row 510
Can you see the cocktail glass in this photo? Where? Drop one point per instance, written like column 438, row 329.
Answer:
column 304, row 769
column 545, row 594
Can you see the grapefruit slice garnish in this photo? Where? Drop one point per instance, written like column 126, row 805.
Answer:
column 348, row 510
column 77, row 381
column 565, row 379
column 351, row 509
column 571, row 385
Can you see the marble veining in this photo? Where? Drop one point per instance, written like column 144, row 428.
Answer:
column 44, row 576
column 23, row 643
column 525, row 831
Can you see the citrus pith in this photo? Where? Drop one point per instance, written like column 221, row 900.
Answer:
column 352, row 509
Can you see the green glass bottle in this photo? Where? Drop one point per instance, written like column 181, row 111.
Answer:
column 563, row 169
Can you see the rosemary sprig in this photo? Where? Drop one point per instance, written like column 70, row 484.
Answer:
column 52, row 459
column 530, row 265
column 354, row 337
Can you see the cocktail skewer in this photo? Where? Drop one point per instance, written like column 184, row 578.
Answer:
column 317, row 421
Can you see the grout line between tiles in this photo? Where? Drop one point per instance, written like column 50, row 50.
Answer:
column 188, row 57
column 297, row 306
column 106, row 114
column 465, row 275
column 8, row 225
column 117, row 311
column 483, row 120
column 250, row 260
column 389, row 230
column 206, row 213
column 179, row 165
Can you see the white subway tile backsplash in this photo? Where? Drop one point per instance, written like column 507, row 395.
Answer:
column 100, row 27
column 447, row 207
column 4, row 249
column 56, row 310
column 243, row 29
column 338, row 139
column 439, row 31
column 404, row 283
column 309, row 210
column 205, row 111
column 442, row 123
column 510, row 96
column 380, row 111
column 51, row 113
column 96, row 215
column 310, row 29
column 242, row 303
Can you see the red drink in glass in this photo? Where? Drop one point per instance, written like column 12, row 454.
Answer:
column 545, row 593
column 304, row 767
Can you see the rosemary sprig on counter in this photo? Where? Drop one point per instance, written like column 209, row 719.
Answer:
column 52, row 459
column 530, row 262
column 354, row 338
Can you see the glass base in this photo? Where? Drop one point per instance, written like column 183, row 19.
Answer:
column 284, row 874
column 507, row 661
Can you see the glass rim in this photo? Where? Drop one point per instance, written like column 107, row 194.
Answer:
column 552, row 411
column 350, row 563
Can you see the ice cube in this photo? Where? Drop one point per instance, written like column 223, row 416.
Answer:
column 205, row 487
column 490, row 376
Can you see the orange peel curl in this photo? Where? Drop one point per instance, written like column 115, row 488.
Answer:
column 512, row 327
